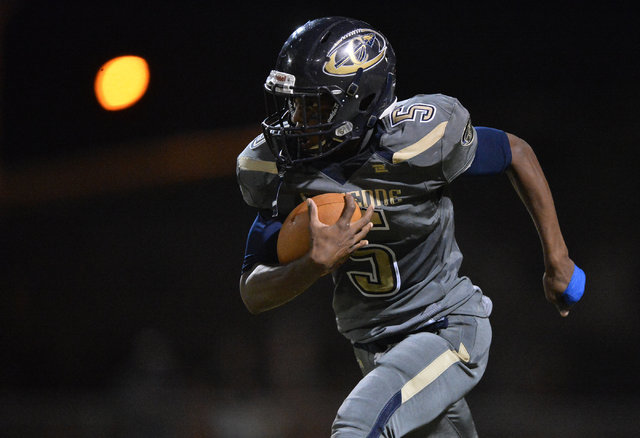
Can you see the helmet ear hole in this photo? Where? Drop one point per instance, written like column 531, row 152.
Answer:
column 366, row 102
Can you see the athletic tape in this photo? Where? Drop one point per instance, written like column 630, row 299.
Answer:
column 574, row 291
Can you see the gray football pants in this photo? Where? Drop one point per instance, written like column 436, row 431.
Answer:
column 416, row 388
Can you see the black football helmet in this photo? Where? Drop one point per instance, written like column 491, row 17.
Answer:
column 333, row 78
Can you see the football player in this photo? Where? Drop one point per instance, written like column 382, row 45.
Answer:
column 420, row 331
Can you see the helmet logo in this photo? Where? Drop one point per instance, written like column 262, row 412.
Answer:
column 361, row 48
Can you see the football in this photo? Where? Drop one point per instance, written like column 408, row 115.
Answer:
column 294, row 239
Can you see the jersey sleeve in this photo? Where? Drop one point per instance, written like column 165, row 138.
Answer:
column 459, row 142
column 262, row 242
column 431, row 134
column 257, row 174
column 493, row 155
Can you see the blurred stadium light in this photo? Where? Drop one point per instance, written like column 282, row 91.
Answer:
column 121, row 82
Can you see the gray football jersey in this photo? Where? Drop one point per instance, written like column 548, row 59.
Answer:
column 407, row 277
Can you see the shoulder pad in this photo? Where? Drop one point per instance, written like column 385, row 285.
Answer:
column 429, row 129
column 257, row 173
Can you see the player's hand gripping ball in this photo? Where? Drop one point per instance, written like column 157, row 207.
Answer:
column 294, row 239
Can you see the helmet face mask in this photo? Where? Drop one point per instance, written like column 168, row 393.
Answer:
column 299, row 122
column 333, row 78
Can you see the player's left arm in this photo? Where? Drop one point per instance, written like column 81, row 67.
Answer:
column 499, row 152
column 530, row 183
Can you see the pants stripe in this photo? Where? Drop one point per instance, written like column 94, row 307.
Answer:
column 433, row 371
column 392, row 405
column 417, row 384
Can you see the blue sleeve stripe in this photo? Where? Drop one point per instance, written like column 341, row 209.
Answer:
column 261, row 243
column 493, row 154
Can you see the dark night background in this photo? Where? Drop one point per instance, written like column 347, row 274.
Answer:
column 122, row 233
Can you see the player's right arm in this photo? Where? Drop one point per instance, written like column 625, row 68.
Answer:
column 265, row 286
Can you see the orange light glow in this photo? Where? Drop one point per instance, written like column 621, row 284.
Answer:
column 121, row 82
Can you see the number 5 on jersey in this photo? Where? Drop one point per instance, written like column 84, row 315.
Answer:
column 379, row 275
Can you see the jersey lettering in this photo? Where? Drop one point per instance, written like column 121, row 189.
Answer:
column 376, row 197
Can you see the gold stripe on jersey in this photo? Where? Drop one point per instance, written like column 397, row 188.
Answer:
column 246, row 163
column 421, row 145
column 433, row 371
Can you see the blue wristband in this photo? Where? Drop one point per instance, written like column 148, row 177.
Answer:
column 575, row 290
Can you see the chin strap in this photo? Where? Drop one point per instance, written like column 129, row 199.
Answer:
column 365, row 138
column 274, row 203
column 382, row 100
